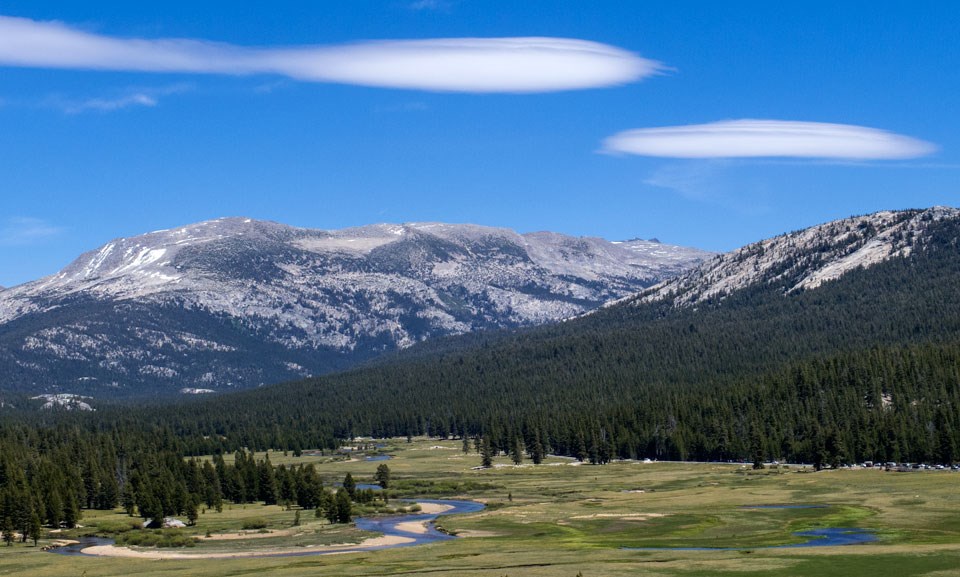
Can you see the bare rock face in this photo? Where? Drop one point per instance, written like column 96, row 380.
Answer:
column 234, row 303
column 802, row 260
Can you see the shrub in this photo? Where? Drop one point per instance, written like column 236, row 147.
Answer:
column 121, row 526
column 255, row 523
column 162, row 538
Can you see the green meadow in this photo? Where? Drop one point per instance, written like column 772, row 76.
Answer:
column 564, row 519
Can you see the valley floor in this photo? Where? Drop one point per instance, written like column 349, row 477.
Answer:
column 561, row 518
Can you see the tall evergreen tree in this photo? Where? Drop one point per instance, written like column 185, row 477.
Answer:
column 344, row 507
column 516, row 451
column 486, row 453
column 350, row 486
column 382, row 476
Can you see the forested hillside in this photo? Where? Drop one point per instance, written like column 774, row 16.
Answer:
column 660, row 381
column 866, row 366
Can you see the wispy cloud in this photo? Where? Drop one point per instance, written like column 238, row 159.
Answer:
column 411, row 106
column 709, row 181
column 768, row 138
column 696, row 181
column 18, row 231
column 130, row 98
column 431, row 5
column 109, row 104
column 517, row 65
column 270, row 87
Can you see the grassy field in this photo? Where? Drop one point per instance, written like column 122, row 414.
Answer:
column 559, row 519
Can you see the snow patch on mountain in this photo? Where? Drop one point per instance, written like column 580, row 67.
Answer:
column 801, row 260
column 152, row 304
column 66, row 401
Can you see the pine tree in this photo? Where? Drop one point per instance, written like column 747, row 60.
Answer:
column 581, row 452
column 267, row 483
column 486, row 453
column 71, row 512
column 350, row 485
column 593, row 453
column 756, row 448
column 536, row 449
column 343, row 506
column 150, row 507
column 35, row 529
column 325, row 505
column 191, row 511
column 382, row 476
column 7, row 528
column 54, row 509
column 516, row 451
column 127, row 499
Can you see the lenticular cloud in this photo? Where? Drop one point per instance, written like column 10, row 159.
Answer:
column 768, row 138
column 445, row 65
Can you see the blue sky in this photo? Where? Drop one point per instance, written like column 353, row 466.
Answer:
column 107, row 129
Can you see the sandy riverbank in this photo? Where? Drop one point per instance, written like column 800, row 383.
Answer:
column 413, row 527
column 116, row 551
column 434, row 508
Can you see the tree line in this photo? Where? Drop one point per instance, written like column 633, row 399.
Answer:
column 47, row 477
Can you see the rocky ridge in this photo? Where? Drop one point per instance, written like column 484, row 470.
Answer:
column 801, row 260
column 237, row 302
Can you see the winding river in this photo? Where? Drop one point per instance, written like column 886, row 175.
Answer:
column 410, row 528
column 406, row 526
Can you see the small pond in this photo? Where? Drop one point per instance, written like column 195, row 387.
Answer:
column 784, row 507
column 832, row 537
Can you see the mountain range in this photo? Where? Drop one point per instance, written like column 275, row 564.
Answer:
column 834, row 343
column 234, row 302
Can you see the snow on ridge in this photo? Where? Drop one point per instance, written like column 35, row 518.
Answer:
column 96, row 261
column 562, row 274
column 67, row 401
column 196, row 391
column 825, row 252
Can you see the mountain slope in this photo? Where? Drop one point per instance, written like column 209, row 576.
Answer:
column 237, row 303
column 866, row 360
column 805, row 259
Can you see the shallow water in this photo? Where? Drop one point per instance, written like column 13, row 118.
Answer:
column 74, row 549
column 831, row 537
column 784, row 507
column 389, row 525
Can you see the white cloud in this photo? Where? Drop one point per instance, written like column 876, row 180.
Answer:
column 767, row 138
column 18, row 231
column 515, row 65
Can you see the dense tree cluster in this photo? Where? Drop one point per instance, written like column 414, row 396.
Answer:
column 48, row 476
